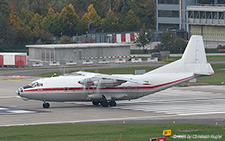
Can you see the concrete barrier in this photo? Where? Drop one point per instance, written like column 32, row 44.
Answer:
column 120, row 60
column 152, row 60
column 136, row 60
column 87, row 62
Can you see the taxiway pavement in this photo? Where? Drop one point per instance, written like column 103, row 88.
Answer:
column 196, row 104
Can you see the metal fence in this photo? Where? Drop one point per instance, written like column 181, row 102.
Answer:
column 94, row 38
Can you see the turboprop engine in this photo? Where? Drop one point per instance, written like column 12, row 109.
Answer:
column 105, row 83
column 87, row 82
column 101, row 83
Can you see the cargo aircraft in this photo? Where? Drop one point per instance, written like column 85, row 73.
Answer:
column 105, row 90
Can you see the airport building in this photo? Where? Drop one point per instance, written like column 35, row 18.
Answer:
column 64, row 53
column 193, row 17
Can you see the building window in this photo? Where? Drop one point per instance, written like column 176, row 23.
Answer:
column 168, row 13
column 168, row 26
column 215, row 15
column 190, row 14
column 168, row 2
column 47, row 55
column 221, row 2
column 221, row 15
column 52, row 55
column 43, row 54
column 206, row 1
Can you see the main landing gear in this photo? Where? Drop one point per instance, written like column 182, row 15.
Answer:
column 105, row 103
column 46, row 105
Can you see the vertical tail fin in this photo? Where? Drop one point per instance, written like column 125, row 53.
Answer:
column 193, row 60
column 195, row 51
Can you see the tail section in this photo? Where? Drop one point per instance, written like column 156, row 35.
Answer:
column 193, row 60
column 195, row 51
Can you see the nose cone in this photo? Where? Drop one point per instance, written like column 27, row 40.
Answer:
column 21, row 94
column 19, row 91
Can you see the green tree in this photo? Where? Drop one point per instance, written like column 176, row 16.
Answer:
column 22, row 31
column 39, row 6
column 57, row 5
column 18, row 4
column 179, row 45
column 166, row 42
column 91, row 15
column 51, row 22
column 118, row 4
column 144, row 38
column 4, row 10
column 110, row 22
column 40, row 36
column 7, row 32
column 131, row 22
column 26, row 16
column 147, row 13
column 69, row 21
column 36, row 20
column 66, row 40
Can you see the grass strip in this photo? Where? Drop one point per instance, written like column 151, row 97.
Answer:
column 109, row 132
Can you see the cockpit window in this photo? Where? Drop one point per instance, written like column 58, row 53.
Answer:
column 33, row 85
column 27, row 86
column 36, row 84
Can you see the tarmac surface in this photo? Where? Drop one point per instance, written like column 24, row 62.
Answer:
column 196, row 104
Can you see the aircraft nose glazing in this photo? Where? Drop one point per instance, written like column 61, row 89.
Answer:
column 19, row 91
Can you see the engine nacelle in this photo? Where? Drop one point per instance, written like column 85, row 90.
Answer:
column 87, row 82
column 105, row 83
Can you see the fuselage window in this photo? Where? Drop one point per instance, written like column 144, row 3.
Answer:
column 66, row 89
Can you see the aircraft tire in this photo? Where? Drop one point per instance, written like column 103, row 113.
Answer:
column 112, row 103
column 104, row 104
column 96, row 103
column 46, row 105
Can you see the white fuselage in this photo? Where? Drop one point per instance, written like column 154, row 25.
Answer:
column 67, row 88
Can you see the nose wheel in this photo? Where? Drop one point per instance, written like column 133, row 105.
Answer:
column 46, row 105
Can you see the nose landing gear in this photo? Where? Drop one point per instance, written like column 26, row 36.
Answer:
column 46, row 105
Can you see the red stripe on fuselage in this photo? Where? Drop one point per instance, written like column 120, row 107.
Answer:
column 111, row 88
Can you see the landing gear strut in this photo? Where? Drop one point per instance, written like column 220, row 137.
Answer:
column 46, row 105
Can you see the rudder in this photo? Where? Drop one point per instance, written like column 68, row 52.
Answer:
column 195, row 51
column 193, row 60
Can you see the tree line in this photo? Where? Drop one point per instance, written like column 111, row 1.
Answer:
column 37, row 21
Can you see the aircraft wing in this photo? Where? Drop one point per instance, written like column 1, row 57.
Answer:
column 97, row 78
